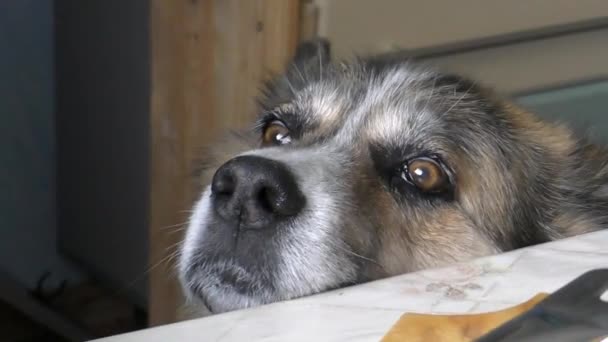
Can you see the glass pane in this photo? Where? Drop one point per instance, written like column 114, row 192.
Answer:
column 583, row 107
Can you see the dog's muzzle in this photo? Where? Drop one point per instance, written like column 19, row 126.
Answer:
column 269, row 227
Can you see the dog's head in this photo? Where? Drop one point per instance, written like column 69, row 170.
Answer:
column 361, row 171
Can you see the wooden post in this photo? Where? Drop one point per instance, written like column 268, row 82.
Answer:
column 208, row 58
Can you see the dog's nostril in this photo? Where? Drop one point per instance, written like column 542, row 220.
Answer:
column 223, row 184
column 265, row 199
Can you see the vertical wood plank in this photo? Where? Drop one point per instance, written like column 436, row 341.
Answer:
column 253, row 40
column 208, row 58
column 182, row 85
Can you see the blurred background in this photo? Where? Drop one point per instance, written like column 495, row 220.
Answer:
column 104, row 104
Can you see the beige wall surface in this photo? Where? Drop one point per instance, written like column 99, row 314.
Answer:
column 362, row 26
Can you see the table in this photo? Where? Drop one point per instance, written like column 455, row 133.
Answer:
column 366, row 312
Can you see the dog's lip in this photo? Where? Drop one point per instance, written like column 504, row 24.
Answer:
column 224, row 279
column 229, row 274
column 228, row 280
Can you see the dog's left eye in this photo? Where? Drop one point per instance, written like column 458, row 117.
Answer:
column 426, row 174
column 276, row 133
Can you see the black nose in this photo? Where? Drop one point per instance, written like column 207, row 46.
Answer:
column 255, row 192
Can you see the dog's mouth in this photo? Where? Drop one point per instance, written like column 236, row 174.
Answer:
column 234, row 279
column 226, row 286
column 230, row 288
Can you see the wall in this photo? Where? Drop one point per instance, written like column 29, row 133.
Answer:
column 27, row 144
column 103, row 99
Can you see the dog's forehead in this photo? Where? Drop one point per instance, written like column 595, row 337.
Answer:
column 392, row 106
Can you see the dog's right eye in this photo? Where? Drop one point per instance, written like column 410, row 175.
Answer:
column 276, row 134
column 426, row 174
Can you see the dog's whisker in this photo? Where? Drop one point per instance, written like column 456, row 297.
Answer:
column 173, row 245
column 320, row 55
column 177, row 225
column 430, row 96
column 293, row 91
column 297, row 68
column 459, row 99
column 351, row 252
column 164, row 260
column 177, row 230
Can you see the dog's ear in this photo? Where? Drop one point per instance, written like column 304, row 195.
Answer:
column 309, row 60
column 312, row 52
column 307, row 65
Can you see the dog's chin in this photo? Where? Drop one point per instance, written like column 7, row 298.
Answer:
column 226, row 297
column 228, row 288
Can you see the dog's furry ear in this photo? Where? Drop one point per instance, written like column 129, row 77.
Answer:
column 309, row 60
column 312, row 52
column 307, row 65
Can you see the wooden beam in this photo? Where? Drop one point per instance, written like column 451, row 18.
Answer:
column 253, row 39
column 208, row 58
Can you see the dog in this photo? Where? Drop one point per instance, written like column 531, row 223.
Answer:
column 361, row 170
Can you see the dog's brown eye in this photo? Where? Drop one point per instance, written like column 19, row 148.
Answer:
column 426, row 174
column 276, row 133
